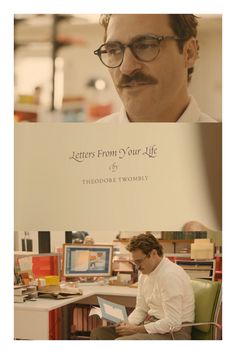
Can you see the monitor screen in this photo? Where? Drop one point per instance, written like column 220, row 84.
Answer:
column 87, row 260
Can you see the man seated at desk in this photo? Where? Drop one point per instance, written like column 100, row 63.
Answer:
column 165, row 297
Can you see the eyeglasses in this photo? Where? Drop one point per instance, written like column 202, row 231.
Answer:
column 145, row 48
column 138, row 262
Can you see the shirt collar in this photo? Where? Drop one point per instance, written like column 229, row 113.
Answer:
column 191, row 113
column 158, row 267
column 124, row 117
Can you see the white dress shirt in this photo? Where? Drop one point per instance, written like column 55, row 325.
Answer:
column 166, row 294
column 192, row 114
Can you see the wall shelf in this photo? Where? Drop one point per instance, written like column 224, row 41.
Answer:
column 198, row 269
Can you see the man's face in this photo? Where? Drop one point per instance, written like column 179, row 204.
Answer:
column 145, row 263
column 165, row 89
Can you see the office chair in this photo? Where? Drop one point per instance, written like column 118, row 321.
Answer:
column 207, row 307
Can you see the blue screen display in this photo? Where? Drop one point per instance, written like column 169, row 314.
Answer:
column 87, row 260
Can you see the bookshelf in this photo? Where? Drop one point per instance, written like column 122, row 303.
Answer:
column 177, row 246
column 170, row 246
column 26, row 112
column 198, row 269
column 178, row 251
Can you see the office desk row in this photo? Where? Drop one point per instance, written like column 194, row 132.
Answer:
column 31, row 319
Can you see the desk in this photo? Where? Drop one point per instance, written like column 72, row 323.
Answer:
column 31, row 319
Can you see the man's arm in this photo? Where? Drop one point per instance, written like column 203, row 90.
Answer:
column 127, row 329
column 172, row 292
column 141, row 308
column 172, row 317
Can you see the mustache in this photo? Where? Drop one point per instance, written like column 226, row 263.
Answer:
column 137, row 77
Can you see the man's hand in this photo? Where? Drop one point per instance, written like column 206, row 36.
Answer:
column 126, row 329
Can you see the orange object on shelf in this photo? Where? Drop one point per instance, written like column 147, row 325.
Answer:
column 97, row 111
column 218, row 272
column 44, row 265
column 21, row 116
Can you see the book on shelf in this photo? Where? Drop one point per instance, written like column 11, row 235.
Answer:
column 19, row 290
column 20, row 298
column 196, row 266
column 24, row 292
column 198, row 274
column 183, row 235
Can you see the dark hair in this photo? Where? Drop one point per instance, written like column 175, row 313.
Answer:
column 146, row 243
column 184, row 26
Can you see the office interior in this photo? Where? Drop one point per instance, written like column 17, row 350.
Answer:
column 59, row 79
column 58, row 304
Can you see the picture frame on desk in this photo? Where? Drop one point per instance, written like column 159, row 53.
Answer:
column 87, row 260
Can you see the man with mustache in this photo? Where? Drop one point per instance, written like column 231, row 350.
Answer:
column 165, row 297
column 150, row 58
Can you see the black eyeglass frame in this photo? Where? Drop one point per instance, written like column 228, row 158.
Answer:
column 138, row 262
column 159, row 39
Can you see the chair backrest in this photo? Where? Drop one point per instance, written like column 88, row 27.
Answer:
column 207, row 302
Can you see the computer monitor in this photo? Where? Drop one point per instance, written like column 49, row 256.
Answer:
column 87, row 260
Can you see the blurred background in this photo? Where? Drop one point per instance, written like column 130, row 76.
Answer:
column 59, row 79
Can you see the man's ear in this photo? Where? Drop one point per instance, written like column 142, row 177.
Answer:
column 190, row 52
column 153, row 252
